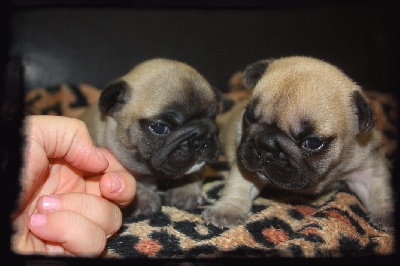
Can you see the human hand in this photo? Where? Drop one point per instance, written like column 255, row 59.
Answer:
column 69, row 191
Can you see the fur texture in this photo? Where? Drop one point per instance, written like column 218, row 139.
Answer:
column 159, row 122
column 306, row 127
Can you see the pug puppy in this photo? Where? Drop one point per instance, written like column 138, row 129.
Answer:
column 159, row 122
column 305, row 127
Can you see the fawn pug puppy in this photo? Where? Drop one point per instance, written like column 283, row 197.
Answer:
column 159, row 122
column 306, row 127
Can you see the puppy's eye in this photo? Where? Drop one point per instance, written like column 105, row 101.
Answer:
column 249, row 116
column 312, row 143
column 159, row 128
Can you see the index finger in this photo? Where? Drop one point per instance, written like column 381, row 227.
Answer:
column 67, row 138
column 113, row 164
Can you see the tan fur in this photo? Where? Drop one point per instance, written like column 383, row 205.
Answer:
column 167, row 92
column 291, row 91
column 153, row 78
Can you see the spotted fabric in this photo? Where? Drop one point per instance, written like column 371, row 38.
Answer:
column 331, row 225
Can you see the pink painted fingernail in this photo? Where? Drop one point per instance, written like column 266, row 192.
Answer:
column 38, row 219
column 116, row 184
column 51, row 203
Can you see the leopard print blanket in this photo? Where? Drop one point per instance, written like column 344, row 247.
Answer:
column 331, row 225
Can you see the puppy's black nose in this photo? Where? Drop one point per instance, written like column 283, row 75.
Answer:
column 268, row 149
column 184, row 148
column 197, row 145
column 266, row 156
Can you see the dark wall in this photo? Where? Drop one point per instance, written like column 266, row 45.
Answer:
column 98, row 44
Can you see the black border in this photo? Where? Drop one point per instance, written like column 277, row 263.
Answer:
column 11, row 140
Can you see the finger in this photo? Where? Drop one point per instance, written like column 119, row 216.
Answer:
column 68, row 138
column 74, row 232
column 98, row 210
column 118, row 187
column 113, row 163
column 117, row 184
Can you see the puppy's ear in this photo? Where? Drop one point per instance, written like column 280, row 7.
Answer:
column 218, row 93
column 113, row 97
column 254, row 72
column 365, row 112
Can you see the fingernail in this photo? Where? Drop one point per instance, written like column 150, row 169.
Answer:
column 55, row 249
column 116, row 184
column 38, row 219
column 100, row 154
column 51, row 203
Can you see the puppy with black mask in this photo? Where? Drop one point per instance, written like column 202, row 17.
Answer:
column 159, row 121
column 306, row 127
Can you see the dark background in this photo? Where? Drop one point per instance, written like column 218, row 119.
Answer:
column 95, row 42
column 46, row 43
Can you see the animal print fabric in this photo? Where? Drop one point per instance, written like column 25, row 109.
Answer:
column 331, row 225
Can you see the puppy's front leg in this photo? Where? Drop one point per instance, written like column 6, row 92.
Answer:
column 145, row 203
column 372, row 185
column 234, row 205
column 186, row 193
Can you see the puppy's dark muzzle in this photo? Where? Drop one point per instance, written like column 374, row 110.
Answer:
column 269, row 151
column 195, row 143
column 266, row 147
column 270, row 154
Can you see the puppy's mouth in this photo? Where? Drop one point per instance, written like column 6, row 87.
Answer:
column 187, row 150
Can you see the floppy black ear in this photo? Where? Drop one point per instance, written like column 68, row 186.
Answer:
column 113, row 97
column 365, row 112
column 254, row 72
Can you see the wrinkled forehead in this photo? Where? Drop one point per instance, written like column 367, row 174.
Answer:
column 311, row 98
column 305, row 81
column 181, row 93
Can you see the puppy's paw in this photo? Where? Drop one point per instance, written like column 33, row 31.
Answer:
column 383, row 220
column 185, row 197
column 225, row 215
column 146, row 203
